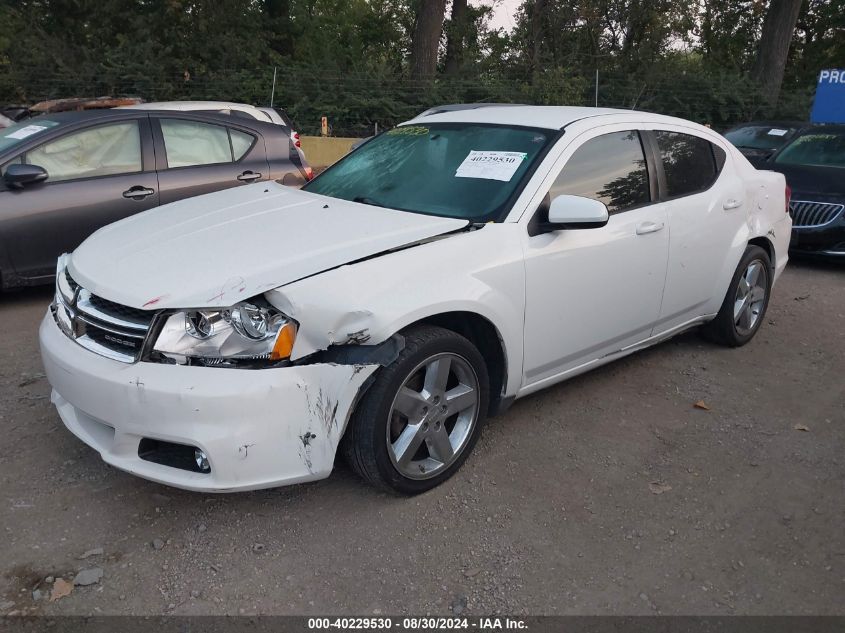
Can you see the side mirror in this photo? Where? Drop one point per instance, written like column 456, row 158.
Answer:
column 576, row 212
column 18, row 176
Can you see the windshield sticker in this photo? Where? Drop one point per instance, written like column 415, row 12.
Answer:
column 490, row 165
column 24, row 132
column 408, row 130
column 776, row 132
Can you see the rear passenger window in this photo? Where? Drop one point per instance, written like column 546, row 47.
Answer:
column 610, row 168
column 690, row 163
column 189, row 143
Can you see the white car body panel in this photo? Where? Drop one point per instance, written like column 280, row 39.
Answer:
column 211, row 240
column 561, row 302
column 363, row 298
column 302, row 413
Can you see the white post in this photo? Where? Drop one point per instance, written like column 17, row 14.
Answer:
column 597, row 87
column 273, row 91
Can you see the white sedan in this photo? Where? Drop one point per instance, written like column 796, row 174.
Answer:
column 464, row 259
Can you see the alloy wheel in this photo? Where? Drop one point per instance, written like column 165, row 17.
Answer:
column 750, row 299
column 433, row 416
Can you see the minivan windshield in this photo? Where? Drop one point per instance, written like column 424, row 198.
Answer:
column 14, row 134
column 818, row 149
column 458, row 170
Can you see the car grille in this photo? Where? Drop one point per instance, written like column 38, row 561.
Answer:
column 102, row 326
column 809, row 214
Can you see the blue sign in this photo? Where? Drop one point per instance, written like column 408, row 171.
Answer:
column 829, row 104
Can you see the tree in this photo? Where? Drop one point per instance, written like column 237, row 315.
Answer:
column 456, row 34
column 426, row 38
column 538, row 16
column 773, row 49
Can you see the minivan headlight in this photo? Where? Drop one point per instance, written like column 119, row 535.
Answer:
column 245, row 331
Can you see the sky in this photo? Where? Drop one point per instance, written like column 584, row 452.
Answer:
column 503, row 14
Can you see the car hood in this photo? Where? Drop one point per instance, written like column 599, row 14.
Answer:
column 221, row 248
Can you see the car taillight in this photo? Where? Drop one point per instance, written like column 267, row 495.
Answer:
column 309, row 173
column 788, row 197
column 298, row 144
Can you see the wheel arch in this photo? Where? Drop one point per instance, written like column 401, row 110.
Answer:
column 482, row 333
column 766, row 244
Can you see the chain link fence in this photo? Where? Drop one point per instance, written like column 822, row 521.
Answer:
column 356, row 102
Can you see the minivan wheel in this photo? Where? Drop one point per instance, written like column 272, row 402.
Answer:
column 746, row 301
column 418, row 422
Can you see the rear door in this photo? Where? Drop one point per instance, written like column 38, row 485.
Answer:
column 196, row 157
column 707, row 208
column 97, row 175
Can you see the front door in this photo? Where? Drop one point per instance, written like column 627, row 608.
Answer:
column 96, row 176
column 591, row 292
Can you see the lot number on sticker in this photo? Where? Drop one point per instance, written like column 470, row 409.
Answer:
column 29, row 130
column 490, row 165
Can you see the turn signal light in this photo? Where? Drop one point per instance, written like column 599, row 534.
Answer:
column 284, row 342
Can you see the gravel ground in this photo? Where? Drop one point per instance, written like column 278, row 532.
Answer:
column 609, row 494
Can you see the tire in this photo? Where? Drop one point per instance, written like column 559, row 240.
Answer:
column 736, row 323
column 416, row 416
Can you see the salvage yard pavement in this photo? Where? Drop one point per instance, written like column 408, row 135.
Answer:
column 688, row 478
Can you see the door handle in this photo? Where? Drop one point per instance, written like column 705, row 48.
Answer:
column 649, row 227
column 732, row 203
column 249, row 176
column 138, row 192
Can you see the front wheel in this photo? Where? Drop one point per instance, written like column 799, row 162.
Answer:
column 420, row 419
column 746, row 301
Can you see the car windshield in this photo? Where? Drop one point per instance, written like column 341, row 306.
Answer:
column 456, row 170
column 819, row 149
column 760, row 136
column 14, row 134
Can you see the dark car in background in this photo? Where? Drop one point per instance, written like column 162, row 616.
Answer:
column 758, row 140
column 814, row 166
column 65, row 175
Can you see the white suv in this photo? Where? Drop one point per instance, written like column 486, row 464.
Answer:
column 466, row 258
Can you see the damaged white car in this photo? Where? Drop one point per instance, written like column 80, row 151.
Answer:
column 464, row 259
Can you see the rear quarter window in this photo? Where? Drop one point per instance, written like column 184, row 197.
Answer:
column 691, row 163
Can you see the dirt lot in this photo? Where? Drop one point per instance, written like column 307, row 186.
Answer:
column 611, row 493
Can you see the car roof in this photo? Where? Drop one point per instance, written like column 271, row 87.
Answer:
column 548, row 117
column 67, row 118
column 188, row 106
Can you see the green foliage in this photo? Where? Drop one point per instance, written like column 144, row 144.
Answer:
column 347, row 59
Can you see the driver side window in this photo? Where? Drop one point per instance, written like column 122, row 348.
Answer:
column 610, row 168
column 104, row 150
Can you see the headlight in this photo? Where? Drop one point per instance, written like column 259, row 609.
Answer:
column 228, row 336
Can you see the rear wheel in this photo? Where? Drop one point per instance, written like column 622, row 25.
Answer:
column 417, row 424
column 746, row 301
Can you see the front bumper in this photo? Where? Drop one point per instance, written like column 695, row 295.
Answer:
column 259, row 428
